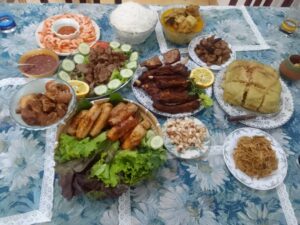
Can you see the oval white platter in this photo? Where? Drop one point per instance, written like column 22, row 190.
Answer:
column 196, row 59
column 262, row 121
column 190, row 153
column 265, row 183
column 147, row 102
column 40, row 27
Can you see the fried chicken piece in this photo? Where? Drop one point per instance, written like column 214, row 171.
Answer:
column 102, row 120
column 181, row 108
column 122, row 128
column 134, row 139
column 152, row 63
column 47, row 104
column 171, row 56
column 129, row 110
column 74, row 122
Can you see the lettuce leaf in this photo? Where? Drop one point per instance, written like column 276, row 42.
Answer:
column 70, row 148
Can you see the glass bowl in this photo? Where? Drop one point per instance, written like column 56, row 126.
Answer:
column 38, row 86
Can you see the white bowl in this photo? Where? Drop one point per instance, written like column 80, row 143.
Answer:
column 38, row 86
column 65, row 22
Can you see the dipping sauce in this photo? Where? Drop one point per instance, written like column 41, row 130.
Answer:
column 41, row 64
column 66, row 30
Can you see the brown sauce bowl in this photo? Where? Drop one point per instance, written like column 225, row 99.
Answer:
column 288, row 68
column 41, row 51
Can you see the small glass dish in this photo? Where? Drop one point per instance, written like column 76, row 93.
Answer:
column 38, row 86
column 66, row 24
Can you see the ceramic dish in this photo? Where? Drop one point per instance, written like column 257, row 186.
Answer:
column 266, row 183
column 38, row 86
column 192, row 152
column 196, row 59
column 263, row 121
column 146, row 100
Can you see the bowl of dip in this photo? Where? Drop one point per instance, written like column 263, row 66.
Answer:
column 38, row 63
column 66, row 28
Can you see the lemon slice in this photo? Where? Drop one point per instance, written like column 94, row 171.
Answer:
column 202, row 77
column 81, row 88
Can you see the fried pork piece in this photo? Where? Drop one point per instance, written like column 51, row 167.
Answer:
column 173, row 96
column 102, row 119
column 171, row 56
column 122, row 128
column 181, row 108
column 152, row 63
column 135, row 137
column 128, row 111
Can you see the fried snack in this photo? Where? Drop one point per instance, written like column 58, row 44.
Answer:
column 125, row 113
column 122, row 128
column 134, row 139
column 117, row 109
column 102, row 119
column 87, row 121
column 74, row 122
column 255, row 156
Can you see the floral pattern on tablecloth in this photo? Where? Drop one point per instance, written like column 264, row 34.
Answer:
column 184, row 192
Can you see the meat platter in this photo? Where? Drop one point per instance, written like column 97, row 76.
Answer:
column 162, row 85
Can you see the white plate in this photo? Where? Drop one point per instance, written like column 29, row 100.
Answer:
column 146, row 100
column 191, row 153
column 40, row 27
column 196, row 59
column 263, row 121
column 265, row 183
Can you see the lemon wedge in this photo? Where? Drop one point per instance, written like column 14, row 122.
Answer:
column 202, row 77
column 81, row 88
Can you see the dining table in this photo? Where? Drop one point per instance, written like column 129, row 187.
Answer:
column 183, row 192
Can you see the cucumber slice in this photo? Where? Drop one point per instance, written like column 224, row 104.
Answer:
column 84, row 49
column 68, row 65
column 150, row 134
column 156, row 142
column 64, row 75
column 126, row 48
column 114, row 84
column 78, row 58
column 114, row 44
column 126, row 73
column 101, row 89
column 134, row 56
column 132, row 65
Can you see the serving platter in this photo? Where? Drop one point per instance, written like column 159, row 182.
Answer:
column 40, row 27
column 146, row 100
column 197, row 60
column 190, row 153
column 262, row 121
column 265, row 183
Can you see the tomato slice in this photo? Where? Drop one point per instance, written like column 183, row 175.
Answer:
column 101, row 44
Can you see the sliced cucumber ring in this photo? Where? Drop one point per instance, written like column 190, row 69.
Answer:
column 78, row 58
column 131, row 65
column 101, row 89
column 126, row 48
column 134, row 56
column 126, row 73
column 64, row 75
column 150, row 134
column 114, row 44
column 114, row 84
column 156, row 142
column 84, row 49
column 68, row 65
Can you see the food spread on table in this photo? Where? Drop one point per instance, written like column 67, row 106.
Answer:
column 48, row 38
column 115, row 145
column 168, row 84
column 43, row 109
column 252, row 85
column 255, row 156
column 105, row 67
column 213, row 51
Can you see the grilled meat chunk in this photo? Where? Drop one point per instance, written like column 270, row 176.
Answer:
column 181, row 108
column 152, row 63
column 171, row 56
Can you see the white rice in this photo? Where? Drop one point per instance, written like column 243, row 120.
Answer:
column 134, row 18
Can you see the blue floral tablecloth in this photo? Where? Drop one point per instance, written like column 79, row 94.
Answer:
column 184, row 192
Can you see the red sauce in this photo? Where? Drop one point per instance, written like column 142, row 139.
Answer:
column 66, row 30
column 41, row 64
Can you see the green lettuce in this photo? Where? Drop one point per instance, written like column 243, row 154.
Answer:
column 70, row 148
